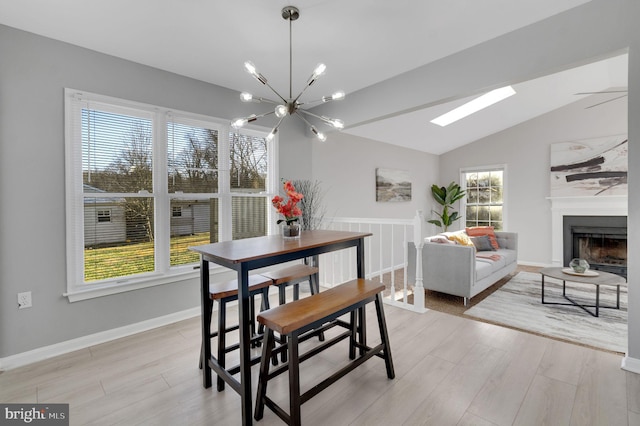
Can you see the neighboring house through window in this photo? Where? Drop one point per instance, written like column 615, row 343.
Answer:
column 484, row 203
column 145, row 183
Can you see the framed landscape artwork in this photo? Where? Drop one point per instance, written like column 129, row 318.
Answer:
column 393, row 185
column 590, row 167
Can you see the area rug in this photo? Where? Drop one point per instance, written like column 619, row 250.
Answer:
column 517, row 304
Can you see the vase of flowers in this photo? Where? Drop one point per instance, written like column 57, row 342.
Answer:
column 289, row 209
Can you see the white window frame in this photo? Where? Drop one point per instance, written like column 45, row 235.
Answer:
column 463, row 185
column 77, row 289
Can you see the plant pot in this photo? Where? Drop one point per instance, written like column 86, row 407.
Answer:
column 291, row 232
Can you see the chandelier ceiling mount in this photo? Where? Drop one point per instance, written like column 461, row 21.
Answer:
column 291, row 105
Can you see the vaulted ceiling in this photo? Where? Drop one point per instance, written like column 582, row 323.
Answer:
column 362, row 42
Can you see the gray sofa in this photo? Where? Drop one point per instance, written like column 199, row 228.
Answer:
column 460, row 270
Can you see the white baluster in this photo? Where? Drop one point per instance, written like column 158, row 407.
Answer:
column 418, row 241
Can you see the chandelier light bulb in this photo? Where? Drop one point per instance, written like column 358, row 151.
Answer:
column 251, row 69
column 239, row 123
column 246, row 97
column 335, row 122
column 272, row 134
column 281, row 111
column 320, row 69
column 318, row 134
column 335, row 97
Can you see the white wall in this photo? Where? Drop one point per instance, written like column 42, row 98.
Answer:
column 525, row 149
column 346, row 167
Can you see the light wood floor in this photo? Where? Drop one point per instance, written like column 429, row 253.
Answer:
column 449, row 371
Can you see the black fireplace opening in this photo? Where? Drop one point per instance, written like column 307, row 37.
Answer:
column 600, row 240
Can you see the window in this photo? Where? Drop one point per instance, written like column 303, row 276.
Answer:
column 484, row 203
column 104, row 216
column 144, row 184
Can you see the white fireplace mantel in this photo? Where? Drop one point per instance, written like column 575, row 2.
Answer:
column 580, row 206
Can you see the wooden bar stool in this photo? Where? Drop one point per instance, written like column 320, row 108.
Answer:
column 293, row 275
column 299, row 320
column 224, row 293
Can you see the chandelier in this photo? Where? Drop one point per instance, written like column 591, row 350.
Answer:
column 291, row 105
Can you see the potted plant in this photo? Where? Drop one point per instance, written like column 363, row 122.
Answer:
column 290, row 210
column 446, row 197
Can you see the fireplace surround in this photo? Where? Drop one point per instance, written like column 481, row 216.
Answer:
column 579, row 206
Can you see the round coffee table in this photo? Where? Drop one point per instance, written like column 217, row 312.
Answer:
column 602, row 278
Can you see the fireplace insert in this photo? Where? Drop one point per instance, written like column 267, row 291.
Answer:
column 600, row 240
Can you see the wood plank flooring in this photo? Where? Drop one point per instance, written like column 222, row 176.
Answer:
column 449, row 371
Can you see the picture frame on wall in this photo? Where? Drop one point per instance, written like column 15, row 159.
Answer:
column 589, row 167
column 393, row 186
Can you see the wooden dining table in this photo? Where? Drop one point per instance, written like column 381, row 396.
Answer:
column 249, row 254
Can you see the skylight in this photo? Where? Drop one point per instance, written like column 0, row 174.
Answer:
column 474, row 106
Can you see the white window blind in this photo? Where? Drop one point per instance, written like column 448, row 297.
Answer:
column 144, row 184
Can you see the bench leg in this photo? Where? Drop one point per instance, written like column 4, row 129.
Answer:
column 264, row 375
column 354, row 333
column 294, row 381
column 382, row 325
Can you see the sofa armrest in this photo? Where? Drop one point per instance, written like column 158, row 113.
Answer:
column 447, row 268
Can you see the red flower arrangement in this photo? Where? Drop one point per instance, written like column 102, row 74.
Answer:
column 288, row 209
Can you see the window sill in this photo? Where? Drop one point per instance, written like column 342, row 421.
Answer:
column 90, row 291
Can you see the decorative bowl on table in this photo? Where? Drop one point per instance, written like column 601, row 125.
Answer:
column 579, row 265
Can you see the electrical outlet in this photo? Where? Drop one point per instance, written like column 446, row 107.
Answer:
column 24, row 300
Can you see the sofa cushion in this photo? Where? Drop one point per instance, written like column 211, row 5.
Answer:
column 483, row 270
column 482, row 243
column 478, row 231
column 510, row 256
column 495, row 260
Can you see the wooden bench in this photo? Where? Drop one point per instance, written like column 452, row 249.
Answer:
column 321, row 310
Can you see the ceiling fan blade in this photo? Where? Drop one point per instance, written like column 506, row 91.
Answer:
column 604, row 91
column 608, row 100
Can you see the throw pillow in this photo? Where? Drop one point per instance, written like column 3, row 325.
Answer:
column 460, row 238
column 482, row 243
column 478, row 231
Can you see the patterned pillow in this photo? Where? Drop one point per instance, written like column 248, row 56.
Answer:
column 478, row 231
column 460, row 237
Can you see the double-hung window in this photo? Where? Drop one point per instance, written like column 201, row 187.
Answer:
column 484, row 203
column 144, row 183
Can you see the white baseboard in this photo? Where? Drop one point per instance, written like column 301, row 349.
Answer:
column 631, row 364
column 46, row 352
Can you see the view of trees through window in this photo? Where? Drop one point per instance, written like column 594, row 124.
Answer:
column 484, row 201
column 118, row 176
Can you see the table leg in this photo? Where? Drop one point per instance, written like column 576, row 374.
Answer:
column 245, row 345
column 205, row 302
column 542, row 290
column 564, row 288
column 362, row 317
column 617, row 297
column 597, row 299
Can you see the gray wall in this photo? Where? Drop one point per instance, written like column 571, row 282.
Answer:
column 33, row 73
column 525, row 150
column 346, row 167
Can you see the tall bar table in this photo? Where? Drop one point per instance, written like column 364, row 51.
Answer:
column 249, row 254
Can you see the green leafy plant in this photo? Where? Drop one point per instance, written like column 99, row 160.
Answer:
column 446, row 197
